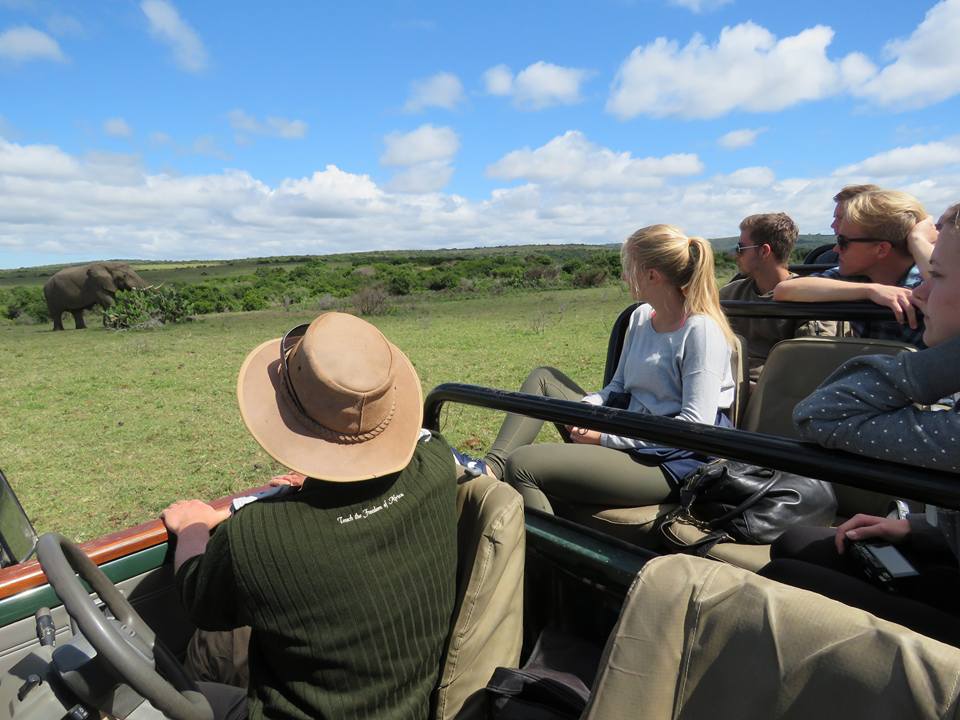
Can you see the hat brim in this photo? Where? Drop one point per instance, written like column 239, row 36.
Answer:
column 289, row 439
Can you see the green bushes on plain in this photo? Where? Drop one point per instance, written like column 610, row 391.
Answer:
column 148, row 307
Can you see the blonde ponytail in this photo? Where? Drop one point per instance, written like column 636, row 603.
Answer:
column 686, row 263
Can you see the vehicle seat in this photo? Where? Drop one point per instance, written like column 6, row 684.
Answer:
column 487, row 626
column 702, row 640
column 794, row 369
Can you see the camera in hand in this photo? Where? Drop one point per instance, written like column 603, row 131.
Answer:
column 883, row 563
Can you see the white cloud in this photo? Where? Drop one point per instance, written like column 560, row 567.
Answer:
column 425, row 153
column 425, row 144
column 537, row 86
column 57, row 207
column 443, row 90
column 117, row 127
column 160, row 138
column 571, row 160
column 167, row 25
column 699, row 6
column 272, row 126
column 36, row 161
column 913, row 160
column 498, row 80
column 925, row 67
column 22, row 44
column 747, row 69
column 750, row 177
column 426, row 177
column 207, row 146
column 736, row 139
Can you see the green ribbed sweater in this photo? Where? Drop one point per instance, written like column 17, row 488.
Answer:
column 349, row 589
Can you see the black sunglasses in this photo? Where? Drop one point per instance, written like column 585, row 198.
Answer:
column 843, row 242
column 741, row 249
column 287, row 343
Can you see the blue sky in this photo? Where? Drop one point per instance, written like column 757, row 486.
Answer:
column 173, row 130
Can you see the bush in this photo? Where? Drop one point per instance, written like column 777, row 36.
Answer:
column 371, row 300
column 26, row 302
column 142, row 308
column 591, row 277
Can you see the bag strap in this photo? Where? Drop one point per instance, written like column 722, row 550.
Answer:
column 746, row 504
column 700, row 547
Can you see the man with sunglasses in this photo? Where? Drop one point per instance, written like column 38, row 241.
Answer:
column 762, row 253
column 884, row 241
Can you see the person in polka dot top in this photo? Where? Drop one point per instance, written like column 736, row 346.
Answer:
column 876, row 406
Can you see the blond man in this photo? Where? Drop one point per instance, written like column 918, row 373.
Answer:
column 884, row 243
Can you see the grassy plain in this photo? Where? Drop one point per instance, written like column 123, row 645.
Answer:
column 100, row 430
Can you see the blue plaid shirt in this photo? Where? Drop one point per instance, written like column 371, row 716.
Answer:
column 884, row 329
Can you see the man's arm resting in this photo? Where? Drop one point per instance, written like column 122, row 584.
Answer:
column 818, row 289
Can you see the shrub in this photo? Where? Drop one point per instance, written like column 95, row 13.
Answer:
column 26, row 302
column 590, row 277
column 371, row 300
column 148, row 307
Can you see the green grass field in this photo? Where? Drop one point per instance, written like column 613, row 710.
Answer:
column 100, row 430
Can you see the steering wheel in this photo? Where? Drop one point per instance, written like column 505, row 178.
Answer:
column 63, row 562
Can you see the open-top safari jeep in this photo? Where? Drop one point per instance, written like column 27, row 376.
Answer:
column 695, row 638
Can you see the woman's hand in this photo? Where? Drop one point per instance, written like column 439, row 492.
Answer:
column 181, row 515
column 870, row 527
column 583, row 436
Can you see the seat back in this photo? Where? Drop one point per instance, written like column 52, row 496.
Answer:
column 487, row 625
column 794, row 369
column 700, row 639
column 738, row 361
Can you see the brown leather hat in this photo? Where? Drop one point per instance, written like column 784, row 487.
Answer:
column 344, row 404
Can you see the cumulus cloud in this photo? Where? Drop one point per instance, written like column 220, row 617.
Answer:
column 22, row 44
column 498, row 80
column 272, row 126
column 736, row 139
column 117, row 127
column 167, row 26
column 699, row 6
column 443, row 90
column 747, row 69
column 925, row 66
column 425, row 144
column 57, row 207
column 572, row 160
column 426, row 154
column 537, row 86
column 903, row 161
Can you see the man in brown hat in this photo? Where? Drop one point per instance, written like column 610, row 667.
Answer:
column 348, row 584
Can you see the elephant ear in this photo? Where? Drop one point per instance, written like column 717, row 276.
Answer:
column 102, row 277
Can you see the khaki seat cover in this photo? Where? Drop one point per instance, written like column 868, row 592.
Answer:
column 743, row 555
column 487, row 627
column 794, row 369
column 740, row 368
column 698, row 640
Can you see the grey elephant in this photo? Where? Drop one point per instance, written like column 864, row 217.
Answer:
column 81, row 287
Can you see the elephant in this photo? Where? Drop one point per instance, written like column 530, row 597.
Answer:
column 81, row 287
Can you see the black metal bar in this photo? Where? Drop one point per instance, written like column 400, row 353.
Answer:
column 806, row 311
column 810, row 268
column 931, row 486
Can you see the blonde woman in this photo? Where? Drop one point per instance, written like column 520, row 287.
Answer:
column 675, row 362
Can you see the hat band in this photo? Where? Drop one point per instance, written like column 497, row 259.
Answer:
column 339, row 437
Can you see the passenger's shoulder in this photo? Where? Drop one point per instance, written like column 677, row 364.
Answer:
column 736, row 289
column 641, row 315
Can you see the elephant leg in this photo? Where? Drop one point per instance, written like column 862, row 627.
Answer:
column 78, row 319
column 57, row 320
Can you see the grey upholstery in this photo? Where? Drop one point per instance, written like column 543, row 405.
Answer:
column 487, row 627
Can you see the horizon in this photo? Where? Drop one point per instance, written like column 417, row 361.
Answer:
column 161, row 130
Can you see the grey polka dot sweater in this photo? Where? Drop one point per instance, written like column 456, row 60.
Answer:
column 869, row 406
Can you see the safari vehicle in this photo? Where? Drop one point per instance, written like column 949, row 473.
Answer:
column 692, row 640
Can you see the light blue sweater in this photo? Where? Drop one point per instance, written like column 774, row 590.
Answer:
column 684, row 374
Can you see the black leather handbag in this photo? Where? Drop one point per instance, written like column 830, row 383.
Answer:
column 731, row 500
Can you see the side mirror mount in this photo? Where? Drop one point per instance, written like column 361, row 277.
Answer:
column 18, row 539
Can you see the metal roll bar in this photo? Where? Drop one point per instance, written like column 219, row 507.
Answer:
column 930, row 486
